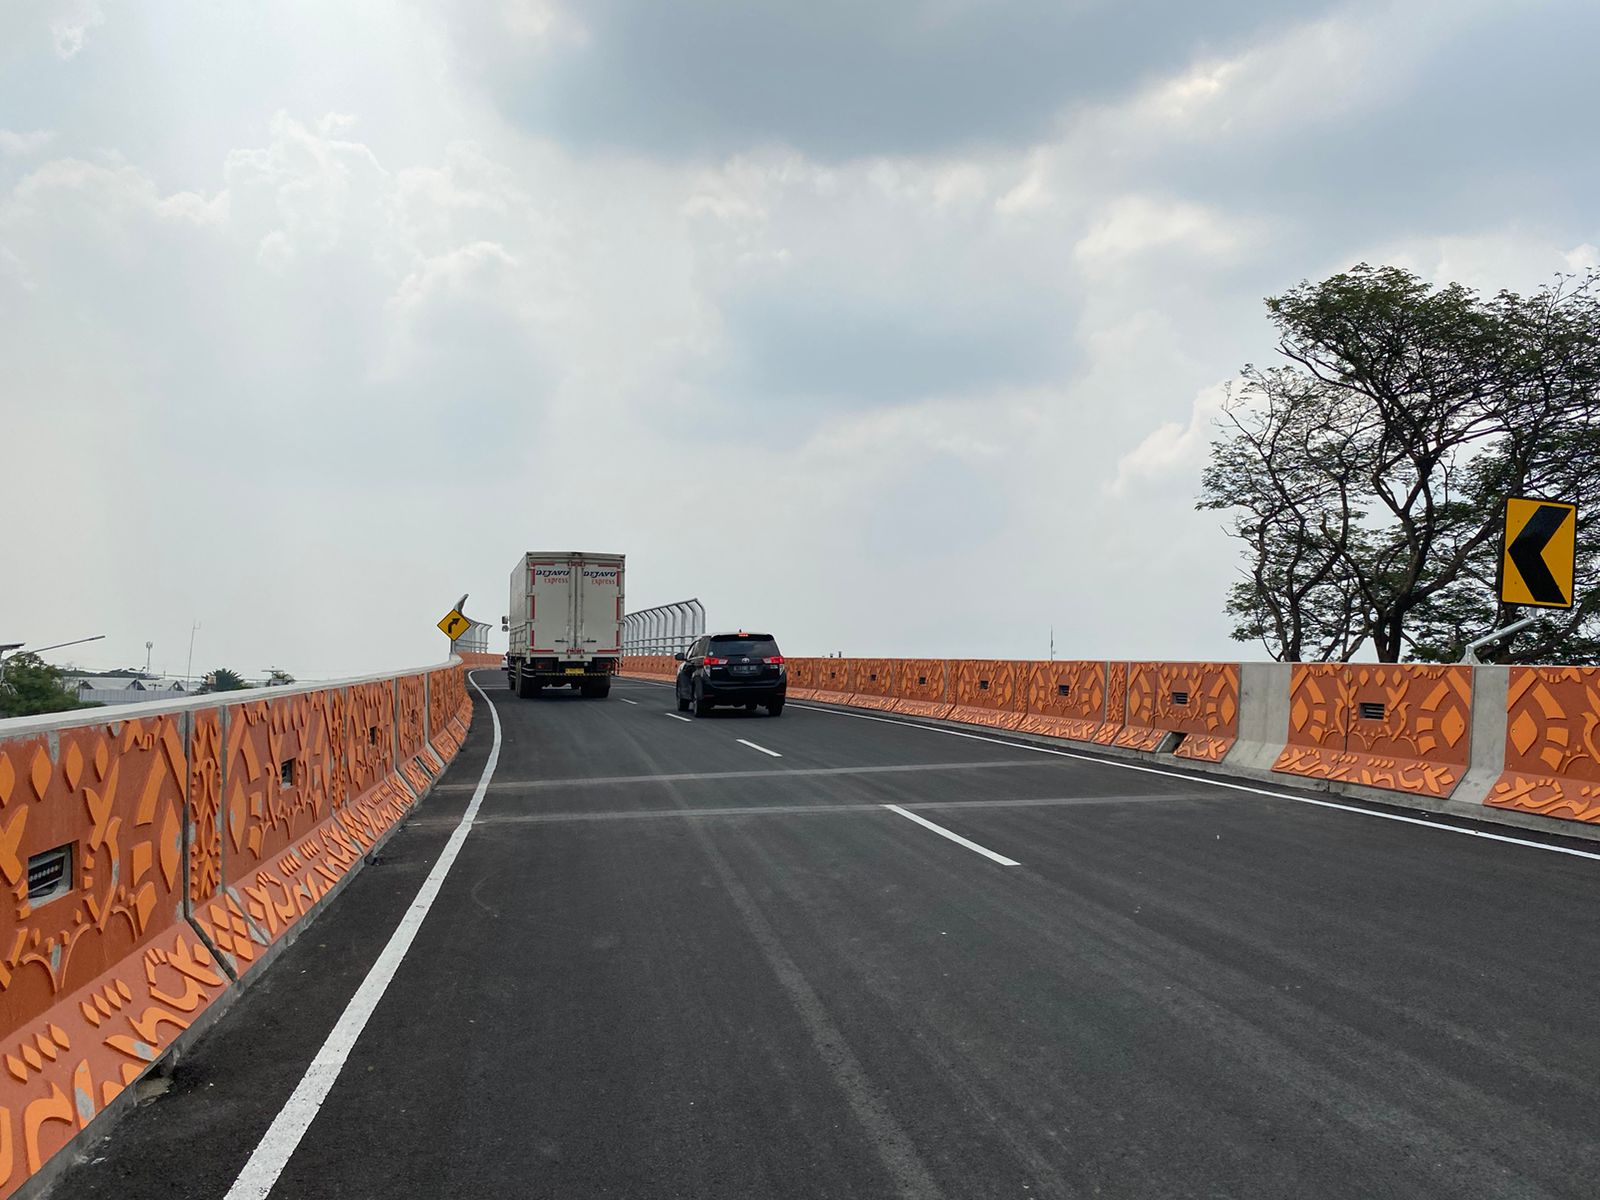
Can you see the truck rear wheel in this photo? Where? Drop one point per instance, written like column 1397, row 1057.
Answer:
column 522, row 681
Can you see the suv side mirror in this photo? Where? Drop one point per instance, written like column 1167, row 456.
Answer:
column 679, row 656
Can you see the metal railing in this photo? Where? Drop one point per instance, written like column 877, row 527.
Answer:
column 664, row 629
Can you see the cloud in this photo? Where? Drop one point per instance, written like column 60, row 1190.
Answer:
column 909, row 296
column 831, row 79
column 1174, row 451
column 70, row 23
column 19, row 145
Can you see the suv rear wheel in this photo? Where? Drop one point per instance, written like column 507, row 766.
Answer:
column 702, row 706
column 775, row 709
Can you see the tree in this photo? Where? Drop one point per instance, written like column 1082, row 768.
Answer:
column 223, row 680
column 1367, row 476
column 30, row 686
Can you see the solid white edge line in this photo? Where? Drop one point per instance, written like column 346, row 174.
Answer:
column 278, row 1144
column 678, row 717
column 1217, row 783
column 954, row 837
column 753, row 746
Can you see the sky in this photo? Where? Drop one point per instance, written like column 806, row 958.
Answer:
column 894, row 328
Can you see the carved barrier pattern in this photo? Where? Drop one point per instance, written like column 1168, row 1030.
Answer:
column 1198, row 700
column 1404, row 728
column 1552, row 762
column 1116, row 703
column 920, row 687
column 985, row 692
column 835, row 680
column 416, row 759
column 237, row 817
column 873, row 680
column 1064, row 699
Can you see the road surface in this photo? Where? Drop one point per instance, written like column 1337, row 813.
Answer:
column 703, row 959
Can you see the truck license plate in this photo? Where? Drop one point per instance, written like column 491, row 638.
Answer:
column 574, row 670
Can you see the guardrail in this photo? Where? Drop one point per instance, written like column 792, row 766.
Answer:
column 1520, row 745
column 156, row 855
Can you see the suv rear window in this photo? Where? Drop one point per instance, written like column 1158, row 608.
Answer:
column 756, row 645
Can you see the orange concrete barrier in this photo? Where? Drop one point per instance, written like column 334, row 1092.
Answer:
column 449, row 711
column 919, row 688
column 190, row 839
column 1405, row 728
column 1197, row 700
column 802, row 678
column 99, row 979
column 473, row 659
column 1552, row 754
column 835, row 680
column 874, row 683
column 1064, row 699
column 986, row 692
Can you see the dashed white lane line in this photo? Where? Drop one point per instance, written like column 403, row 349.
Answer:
column 678, row 717
column 954, row 837
column 625, row 700
column 1216, row 783
column 272, row 1153
column 753, row 746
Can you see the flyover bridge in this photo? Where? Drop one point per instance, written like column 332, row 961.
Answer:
column 850, row 952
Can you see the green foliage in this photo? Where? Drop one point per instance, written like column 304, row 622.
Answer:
column 224, row 680
column 1367, row 476
column 31, row 686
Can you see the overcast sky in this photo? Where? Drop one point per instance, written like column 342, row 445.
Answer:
column 893, row 327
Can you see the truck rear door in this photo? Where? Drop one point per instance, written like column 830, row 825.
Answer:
column 599, row 622
column 550, row 599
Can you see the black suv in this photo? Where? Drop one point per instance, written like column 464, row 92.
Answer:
column 732, row 668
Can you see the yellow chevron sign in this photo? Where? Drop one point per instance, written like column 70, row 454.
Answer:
column 453, row 624
column 1540, row 556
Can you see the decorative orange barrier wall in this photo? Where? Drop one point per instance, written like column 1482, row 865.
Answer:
column 984, row 692
column 1064, row 699
column 1552, row 756
column 919, row 687
column 873, row 679
column 219, row 822
column 1405, row 728
column 835, row 678
column 1198, row 700
column 803, row 677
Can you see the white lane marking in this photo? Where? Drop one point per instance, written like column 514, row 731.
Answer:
column 954, row 837
column 753, row 746
column 1217, row 783
column 625, row 700
column 677, row 717
column 272, row 1153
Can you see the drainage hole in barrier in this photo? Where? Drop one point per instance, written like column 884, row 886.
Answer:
column 1181, row 699
column 49, row 874
column 1372, row 711
column 922, row 681
column 1063, row 689
column 983, row 685
column 372, row 735
column 286, row 772
column 873, row 677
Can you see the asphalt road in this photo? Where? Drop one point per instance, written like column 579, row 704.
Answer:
column 669, row 964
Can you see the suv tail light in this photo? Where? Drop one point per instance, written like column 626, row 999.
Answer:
column 715, row 662
column 775, row 661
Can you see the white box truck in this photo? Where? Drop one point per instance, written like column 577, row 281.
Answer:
column 565, row 622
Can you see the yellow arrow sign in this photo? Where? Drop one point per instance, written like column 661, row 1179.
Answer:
column 453, row 624
column 1540, row 555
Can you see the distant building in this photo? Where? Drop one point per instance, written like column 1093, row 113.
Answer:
column 122, row 689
